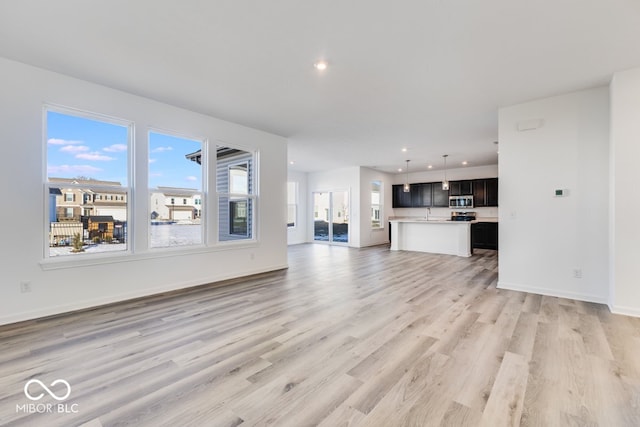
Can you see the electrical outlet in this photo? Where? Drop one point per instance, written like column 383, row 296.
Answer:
column 25, row 287
column 577, row 273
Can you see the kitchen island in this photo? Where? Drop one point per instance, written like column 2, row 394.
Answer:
column 434, row 236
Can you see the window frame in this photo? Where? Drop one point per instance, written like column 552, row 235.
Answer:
column 230, row 175
column 251, row 197
column 380, row 205
column 175, row 200
column 82, row 258
column 293, row 205
column 134, row 194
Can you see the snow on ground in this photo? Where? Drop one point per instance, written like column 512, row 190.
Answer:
column 175, row 235
column 161, row 236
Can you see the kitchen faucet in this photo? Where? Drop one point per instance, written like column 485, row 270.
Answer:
column 428, row 212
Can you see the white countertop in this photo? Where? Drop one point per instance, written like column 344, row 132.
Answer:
column 441, row 220
column 429, row 221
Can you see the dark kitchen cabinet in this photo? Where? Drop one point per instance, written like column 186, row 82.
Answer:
column 431, row 194
column 484, row 235
column 416, row 195
column 421, row 195
column 440, row 197
column 400, row 199
column 461, row 188
column 485, row 192
column 492, row 192
column 479, row 193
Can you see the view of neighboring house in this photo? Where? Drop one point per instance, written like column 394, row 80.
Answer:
column 76, row 202
column 236, row 192
column 175, row 204
column 94, row 212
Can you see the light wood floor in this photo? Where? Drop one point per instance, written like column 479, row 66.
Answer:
column 345, row 337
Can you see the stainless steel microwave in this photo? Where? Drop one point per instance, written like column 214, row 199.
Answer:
column 460, row 201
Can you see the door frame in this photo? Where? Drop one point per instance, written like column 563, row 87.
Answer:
column 330, row 240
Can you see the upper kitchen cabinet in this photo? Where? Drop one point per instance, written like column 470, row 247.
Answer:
column 431, row 194
column 492, row 192
column 461, row 188
column 479, row 193
column 421, row 195
column 400, row 199
column 440, row 197
column 485, row 192
column 416, row 195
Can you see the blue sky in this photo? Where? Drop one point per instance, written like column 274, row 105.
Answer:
column 167, row 165
column 80, row 147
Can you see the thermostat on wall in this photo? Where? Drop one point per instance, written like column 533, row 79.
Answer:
column 563, row 192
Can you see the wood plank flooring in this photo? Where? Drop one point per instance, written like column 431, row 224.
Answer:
column 344, row 337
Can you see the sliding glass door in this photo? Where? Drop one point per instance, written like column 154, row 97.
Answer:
column 331, row 217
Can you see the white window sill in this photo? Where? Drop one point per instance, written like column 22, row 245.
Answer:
column 84, row 260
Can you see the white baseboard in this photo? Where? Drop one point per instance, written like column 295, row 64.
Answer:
column 626, row 311
column 92, row 303
column 552, row 292
column 371, row 244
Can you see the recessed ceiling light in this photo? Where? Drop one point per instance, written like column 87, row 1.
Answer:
column 430, row 166
column 404, row 149
column 291, row 162
column 321, row 65
column 399, row 169
column 465, row 162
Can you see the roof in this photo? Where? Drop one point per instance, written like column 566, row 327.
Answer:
column 222, row 152
column 81, row 181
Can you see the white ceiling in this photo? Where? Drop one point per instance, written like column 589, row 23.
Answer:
column 428, row 75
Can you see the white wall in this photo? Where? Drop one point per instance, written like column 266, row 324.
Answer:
column 369, row 236
column 624, row 249
column 24, row 90
column 544, row 238
column 474, row 172
column 298, row 234
column 345, row 179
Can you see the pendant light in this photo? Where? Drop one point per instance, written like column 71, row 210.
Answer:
column 406, row 187
column 445, row 183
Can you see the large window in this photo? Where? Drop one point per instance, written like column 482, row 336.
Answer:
column 88, row 186
column 176, row 191
column 87, row 158
column 235, row 176
column 376, row 204
column 292, row 203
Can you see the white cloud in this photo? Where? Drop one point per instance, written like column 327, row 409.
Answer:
column 155, row 174
column 115, row 148
column 161, row 149
column 94, row 156
column 152, row 160
column 191, row 178
column 73, row 170
column 74, row 148
column 57, row 141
